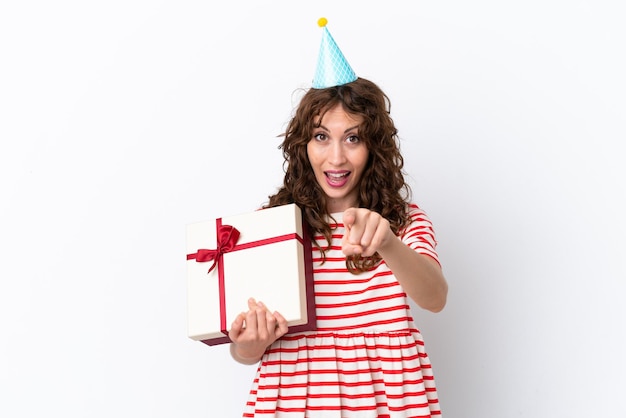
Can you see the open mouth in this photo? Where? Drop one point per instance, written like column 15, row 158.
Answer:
column 337, row 178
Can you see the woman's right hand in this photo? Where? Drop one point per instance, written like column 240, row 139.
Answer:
column 253, row 331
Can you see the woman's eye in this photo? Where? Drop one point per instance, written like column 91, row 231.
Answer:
column 353, row 139
column 320, row 137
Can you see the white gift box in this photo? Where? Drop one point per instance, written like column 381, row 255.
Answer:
column 270, row 261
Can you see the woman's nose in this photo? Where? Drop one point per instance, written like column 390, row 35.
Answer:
column 337, row 153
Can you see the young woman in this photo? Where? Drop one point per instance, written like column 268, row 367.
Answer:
column 373, row 248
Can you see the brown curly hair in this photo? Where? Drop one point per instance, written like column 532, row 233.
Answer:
column 382, row 188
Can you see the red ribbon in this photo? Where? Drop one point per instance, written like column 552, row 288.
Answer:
column 227, row 237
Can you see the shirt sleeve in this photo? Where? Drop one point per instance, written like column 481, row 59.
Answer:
column 419, row 235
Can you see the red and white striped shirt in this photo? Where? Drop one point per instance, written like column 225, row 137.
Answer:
column 366, row 358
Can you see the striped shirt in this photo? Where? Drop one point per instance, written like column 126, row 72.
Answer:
column 366, row 358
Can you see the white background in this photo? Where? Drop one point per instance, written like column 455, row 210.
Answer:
column 122, row 121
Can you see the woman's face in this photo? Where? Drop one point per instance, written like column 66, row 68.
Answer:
column 338, row 158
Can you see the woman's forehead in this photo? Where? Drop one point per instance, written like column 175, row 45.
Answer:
column 337, row 110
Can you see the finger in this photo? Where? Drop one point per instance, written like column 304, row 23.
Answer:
column 358, row 228
column 349, row 248
column 383, row 234
column 345, row 238
column 252, row 304
column 281, row 325
column 238, row 322
column 349, row 217
column 261, row 323
column 369, row 227
column 374, row 233
column 270, row 322
column 251, row 320
column 237, row 327
column 261, row 305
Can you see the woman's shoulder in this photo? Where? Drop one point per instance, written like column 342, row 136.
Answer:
column 418, row 218
column 414, row 210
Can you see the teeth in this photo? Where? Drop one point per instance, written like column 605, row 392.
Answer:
column 337, row 175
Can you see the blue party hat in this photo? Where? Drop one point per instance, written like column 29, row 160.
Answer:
column 332, row 67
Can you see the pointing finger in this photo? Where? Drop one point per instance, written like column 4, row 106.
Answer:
column 349, row 217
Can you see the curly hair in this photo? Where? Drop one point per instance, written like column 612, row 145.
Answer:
column 382, row 188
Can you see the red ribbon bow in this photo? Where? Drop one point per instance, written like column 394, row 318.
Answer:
column 227, row 237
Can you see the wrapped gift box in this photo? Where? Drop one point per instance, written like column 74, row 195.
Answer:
column 265, row 254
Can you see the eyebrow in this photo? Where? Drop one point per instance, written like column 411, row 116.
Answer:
column 346, row 131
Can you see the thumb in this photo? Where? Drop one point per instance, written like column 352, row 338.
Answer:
column 236, row 327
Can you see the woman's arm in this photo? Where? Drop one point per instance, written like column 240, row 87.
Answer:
column 419, row 275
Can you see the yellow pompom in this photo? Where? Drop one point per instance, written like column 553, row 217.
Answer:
column 321, row 22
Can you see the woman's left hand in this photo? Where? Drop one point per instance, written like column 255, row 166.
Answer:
column 366, row 232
